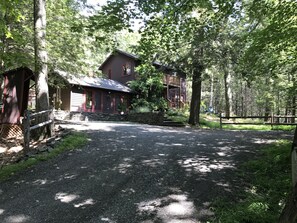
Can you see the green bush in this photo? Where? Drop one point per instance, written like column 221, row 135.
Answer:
column 149, row 88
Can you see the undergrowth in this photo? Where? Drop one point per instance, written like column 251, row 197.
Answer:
column 269, row 184
column 70, row 142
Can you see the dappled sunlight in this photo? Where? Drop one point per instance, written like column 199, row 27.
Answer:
column 65, row 197
column 86, row 202
column 89, row 126
column 71, row 198
column 108, row 220
column 133, row 173
column 175, row 207
column 124, row 166
column 204, row 164
column 264, row 141
column 226, row 186
column 94, row 125
column 40, row 182
column 68, row 176
column 168, row 144
column 21, row 218
column 152, row 162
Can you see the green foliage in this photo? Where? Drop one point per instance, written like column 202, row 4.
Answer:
column 178, row 115
column 75, row 140
column 16, row 35
column 149, row 88
column 269, row 182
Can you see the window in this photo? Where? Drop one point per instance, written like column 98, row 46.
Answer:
column 127, row 69
column 109, row 74
column 89, row 99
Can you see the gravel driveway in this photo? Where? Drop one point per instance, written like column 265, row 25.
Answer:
column 132, row 173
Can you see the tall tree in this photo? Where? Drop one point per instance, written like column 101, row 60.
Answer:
column 41, row 67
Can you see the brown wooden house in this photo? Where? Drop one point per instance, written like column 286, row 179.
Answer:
column 15, row 94
column 120, row 66
column 90, row 94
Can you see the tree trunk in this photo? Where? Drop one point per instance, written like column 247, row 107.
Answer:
column 196, row 96
column 294, row 91
column 41, row 73
column 267, row 102
column 211, row 91
column 3, row 40
column 267, row 109
column 289, row 213
column 228, row 93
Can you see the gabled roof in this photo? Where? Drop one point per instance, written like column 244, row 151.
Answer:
column 95, row 82
column 132, row 56
column 115, row 52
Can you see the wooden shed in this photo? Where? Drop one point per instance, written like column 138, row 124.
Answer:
column 15, row 88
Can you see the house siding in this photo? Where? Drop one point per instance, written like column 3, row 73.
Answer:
column 15, row 94
column 115, row 67
column 174, row 82
column 103, row 101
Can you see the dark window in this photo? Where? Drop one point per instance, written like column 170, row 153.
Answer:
column 89, row 99
column 109, row 74
column 98, row 101
column 127, row 69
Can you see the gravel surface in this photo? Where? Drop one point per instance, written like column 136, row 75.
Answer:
column 132, row 173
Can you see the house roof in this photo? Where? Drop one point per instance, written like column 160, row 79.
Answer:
column 95, row 82
column 132, row 56
column 16, row 70
column 115, row 52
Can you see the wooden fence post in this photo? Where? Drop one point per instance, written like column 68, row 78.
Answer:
column 294, row 159
column 26, row 126
column 52, row 125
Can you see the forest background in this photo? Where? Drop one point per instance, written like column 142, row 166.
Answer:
column 239, row 56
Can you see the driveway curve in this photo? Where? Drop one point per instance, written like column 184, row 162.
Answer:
column 130, row 173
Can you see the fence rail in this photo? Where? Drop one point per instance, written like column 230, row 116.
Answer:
column 267, row 120
column 47, row 120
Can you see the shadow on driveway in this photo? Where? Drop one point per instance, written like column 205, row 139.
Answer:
column 132, row 173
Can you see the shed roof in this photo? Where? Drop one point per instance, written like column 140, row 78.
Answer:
column 17, row 70
column 95, row 82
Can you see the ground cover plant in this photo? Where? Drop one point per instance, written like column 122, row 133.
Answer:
column 269, row 181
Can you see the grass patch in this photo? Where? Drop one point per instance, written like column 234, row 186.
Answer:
column 70, row 142
column 177, row 116
column 213, row 122
column 259, row 127
column 269, row 184
column 209, row 121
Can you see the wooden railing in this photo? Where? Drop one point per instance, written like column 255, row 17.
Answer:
column 171, row 80
column 267, row 120
column 47, row 121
